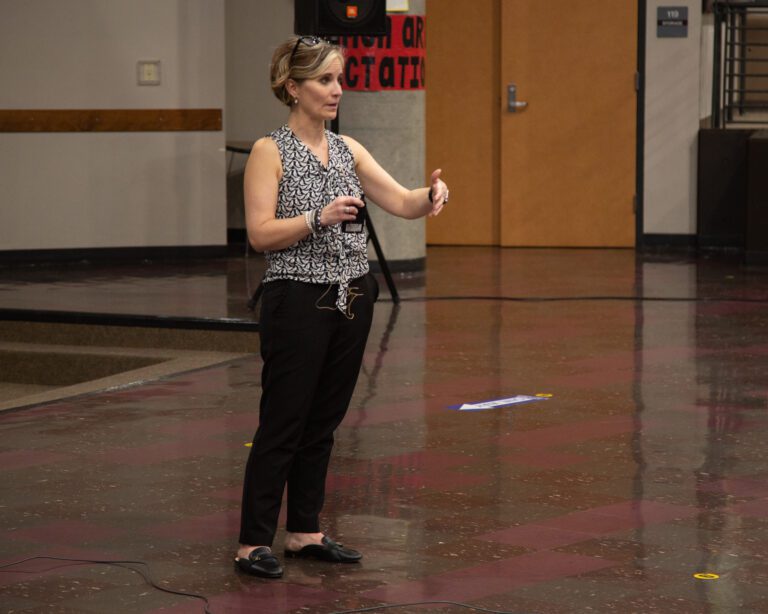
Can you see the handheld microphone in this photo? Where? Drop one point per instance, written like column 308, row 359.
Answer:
column 358, row 224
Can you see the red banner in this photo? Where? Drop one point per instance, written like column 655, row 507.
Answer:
column 391, row 62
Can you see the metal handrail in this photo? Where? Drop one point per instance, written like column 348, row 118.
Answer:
column 732, row 70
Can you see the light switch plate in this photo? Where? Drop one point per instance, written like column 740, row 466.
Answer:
column 149, row 72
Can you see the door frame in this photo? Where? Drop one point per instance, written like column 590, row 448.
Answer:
column 640, row 138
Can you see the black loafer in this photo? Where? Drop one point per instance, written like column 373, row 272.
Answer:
column 329, row 551
column 260, row 562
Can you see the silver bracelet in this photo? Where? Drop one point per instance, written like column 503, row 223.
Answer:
column 308, row 221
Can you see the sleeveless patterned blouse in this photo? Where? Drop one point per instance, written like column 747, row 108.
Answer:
column 328, row 256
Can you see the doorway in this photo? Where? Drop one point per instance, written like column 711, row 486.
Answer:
column 559, row 171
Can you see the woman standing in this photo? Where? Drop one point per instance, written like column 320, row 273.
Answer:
column 302, row 183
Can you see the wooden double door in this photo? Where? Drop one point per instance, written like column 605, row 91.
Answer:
column 559, row 167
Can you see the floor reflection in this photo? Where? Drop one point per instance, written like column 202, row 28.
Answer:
column 646, row 466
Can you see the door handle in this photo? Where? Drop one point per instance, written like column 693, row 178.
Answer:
column 513, row 104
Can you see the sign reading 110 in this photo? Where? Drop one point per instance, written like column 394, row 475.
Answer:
column 672, row 21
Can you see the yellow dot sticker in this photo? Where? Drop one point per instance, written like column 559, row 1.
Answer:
column 706, row 576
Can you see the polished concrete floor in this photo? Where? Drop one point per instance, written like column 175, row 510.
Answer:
column 645, row 468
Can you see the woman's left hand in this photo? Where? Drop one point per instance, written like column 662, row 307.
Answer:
column 439, row 193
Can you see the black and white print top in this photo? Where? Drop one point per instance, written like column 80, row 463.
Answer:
column 328, row 256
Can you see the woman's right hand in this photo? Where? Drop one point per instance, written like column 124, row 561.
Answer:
column 341, row 209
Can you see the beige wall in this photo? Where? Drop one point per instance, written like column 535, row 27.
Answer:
column 88, row 190
column 707, row 56
column 253, row 30
column 672, row 109
column 68, row 190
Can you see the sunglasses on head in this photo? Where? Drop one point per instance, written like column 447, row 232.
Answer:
column 309, row 41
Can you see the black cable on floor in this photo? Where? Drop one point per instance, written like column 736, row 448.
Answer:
column 123, row 565
column 547, row 299
column 405, row 605
column 206, row 604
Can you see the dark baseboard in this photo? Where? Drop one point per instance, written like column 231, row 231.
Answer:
column 671, row 241
column 236, row 236
column 756, row 257
column 112, row 254
column 707, row 247
column 121, row 319
column 400, row 266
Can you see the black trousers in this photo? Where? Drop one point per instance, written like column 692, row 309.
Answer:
column 312, row 354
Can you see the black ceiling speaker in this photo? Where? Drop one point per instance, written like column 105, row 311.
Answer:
column 340, row 17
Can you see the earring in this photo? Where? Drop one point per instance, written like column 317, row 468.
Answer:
column 295, row 101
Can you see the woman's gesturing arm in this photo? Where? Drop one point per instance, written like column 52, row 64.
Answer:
column 382, row 188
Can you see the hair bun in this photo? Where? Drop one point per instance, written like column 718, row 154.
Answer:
column 294, row 59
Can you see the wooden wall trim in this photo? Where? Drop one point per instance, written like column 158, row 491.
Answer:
column 109, row 120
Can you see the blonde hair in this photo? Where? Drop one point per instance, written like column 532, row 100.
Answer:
column 308, row 62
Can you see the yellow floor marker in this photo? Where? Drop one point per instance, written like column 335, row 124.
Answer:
column 706, row 576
